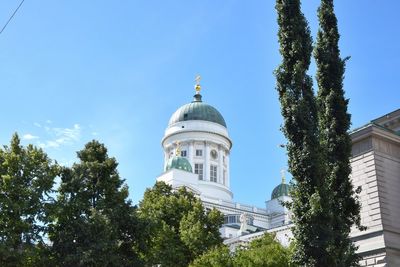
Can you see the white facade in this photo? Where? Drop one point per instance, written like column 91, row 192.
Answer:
column 279, row 215
column 206, row 144
column 283, row 234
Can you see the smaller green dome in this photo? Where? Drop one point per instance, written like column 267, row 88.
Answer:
column 179, row 163
column 281, row 190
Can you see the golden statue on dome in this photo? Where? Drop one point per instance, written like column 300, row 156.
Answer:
column 197, row 87
column 283, row 172
column 178, row 149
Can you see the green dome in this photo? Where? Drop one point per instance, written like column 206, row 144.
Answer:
column 280, row 190
column 197, row 110
column 179, row 163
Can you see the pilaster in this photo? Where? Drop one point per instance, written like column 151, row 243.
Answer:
column 206, row 166
column 220, row 164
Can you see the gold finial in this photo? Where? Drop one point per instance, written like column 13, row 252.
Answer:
column 197, row 87
column 178, row 149
column 283, row 176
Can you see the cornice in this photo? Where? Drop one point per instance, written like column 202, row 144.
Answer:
column 373, row 130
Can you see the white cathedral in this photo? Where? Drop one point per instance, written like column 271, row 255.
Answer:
column 197, row 147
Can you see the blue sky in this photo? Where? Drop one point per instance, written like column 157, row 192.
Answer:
column 72, row 71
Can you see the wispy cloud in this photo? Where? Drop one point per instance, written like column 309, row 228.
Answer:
column 37, row 124
column 48, row 144
column 72, row 134
column 61, row 136
column 29, row 136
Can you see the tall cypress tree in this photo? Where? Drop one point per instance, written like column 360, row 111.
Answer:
column 334, row 123
column 299, row 110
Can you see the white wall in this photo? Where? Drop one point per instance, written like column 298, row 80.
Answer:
column 207, row 137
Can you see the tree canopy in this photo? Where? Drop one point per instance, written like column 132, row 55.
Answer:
column 88, row 220
column 27, row 176
column 179, row 228
column 334, row 124
column 298, row 106
column 319, row 146
column 93, row 222
column 265, row 251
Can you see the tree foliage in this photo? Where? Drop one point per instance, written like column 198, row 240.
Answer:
column 261, row 252
column 93, row 222
column 299, row 110
column 334, row 123
column 26, row 180
column 219, row 256
column 319, row 146
column 179, row 229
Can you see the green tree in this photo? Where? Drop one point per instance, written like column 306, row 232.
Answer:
column 179, row 229
column 263, row 252
column 334, row 123
column 312, row 231
column 298, row 106
column 26, row 180
column 325, row 206
column 93, row 222
column 219, row 256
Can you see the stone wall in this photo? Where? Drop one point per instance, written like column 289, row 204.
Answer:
column 376, row 169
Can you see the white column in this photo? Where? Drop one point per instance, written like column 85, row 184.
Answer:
column 165, row 158
column 228, row 179
column 206, row 167
column 220, row 165
column 191, row 153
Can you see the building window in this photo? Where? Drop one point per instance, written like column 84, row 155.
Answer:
column 213, row 173
column 250, row 220
column 214, row 154
column 199, row 153
column 183, row 153
column 235, row 218
column 231, row 218
column 198, row 169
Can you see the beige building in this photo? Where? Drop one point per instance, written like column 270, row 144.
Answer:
column 376, row 168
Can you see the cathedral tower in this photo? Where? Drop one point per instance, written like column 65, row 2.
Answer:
column 199, row 133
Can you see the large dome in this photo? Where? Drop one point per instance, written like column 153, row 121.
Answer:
column 197, row 110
